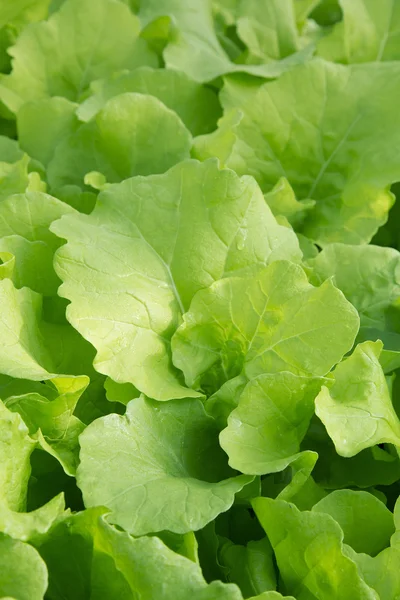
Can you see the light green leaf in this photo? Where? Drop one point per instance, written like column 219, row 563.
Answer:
column 268, row 28
column 20, row 12
column 13, row 177
column 194, row 48
column 265, row 430
column 266, row 323
column 271, row 596
column 196, row 105
column 371, row 467
column 251, row 567
column 365, row 521
column 23, row 573
column 309, row 552
column 22, row 351
column 302, row 490
column 31, row 525
column 344, row 160
column 303, row 8
column 158, row 467
column 120, row 392
column 381, row 572
column 369, row 277
column 61, row 56
column 225, row 399
column 133, row 134
column 52, row 422
column 357, row 410
column 16, row 448
column 282, row 201
column 131, row 268
column 369, row 32
column 42, row 124
column 24, row 233
column 112, row 564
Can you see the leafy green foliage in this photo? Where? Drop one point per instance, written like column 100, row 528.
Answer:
column 199, row 345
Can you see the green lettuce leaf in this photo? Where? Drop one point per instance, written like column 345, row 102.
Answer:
column 171, row 463
column 266, row 323
column 61, row 56
column 366, row 523
column 196, row 105
column 309, row 551
column 357, row 410
column 112, row 564
column 129, row 286
column 43, row 123
column 369, row 277
column 369, row 32
column 265, row 430
column 268, row 28
column 23, row 573
column 370, row 467
column 251, row 567
column 343, row 160
column 24, row 234
column 193, row 46
column 52, row 422
column 134, row 134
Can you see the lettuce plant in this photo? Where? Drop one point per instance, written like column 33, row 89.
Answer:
column 199, row 300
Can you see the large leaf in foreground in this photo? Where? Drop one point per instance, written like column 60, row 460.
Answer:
column 344, row 159
column 134, row 134
column 309, row 552
column 266, row 323
column 61, row 56
column 131, row 268
column 158, row 467
column 357, row 410
column 112, row 564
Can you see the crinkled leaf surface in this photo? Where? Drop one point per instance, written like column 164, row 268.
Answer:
column 344, row 160
column 61, row 56
column 131, row 268
column 174, row 473
column 309, row 552
column 357, row 410
column 266, row 323
column 196, row 105
column 134, row 134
